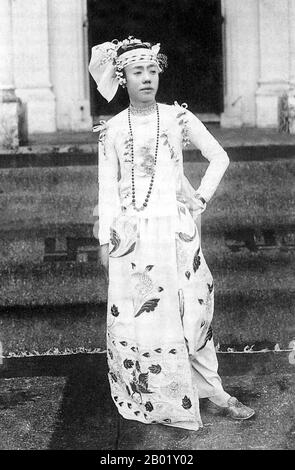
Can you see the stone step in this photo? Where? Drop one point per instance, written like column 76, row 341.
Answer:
column 86, row 155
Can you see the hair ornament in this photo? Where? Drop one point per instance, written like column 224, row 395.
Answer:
column 109, row 59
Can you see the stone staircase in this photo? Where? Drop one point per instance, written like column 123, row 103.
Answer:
column 49, row 256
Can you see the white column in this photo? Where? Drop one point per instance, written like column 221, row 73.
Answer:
column 8, row 100
column 68, row 61
column 248, row 53
column 6, row 51
column 292, row 43
column 274, row 60
column 31, row 63
column 241, row 61
column 291, row 97
column 232, row 115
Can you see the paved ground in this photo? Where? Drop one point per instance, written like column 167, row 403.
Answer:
column 55, row 411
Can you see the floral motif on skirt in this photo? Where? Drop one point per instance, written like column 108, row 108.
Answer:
column 160, row 308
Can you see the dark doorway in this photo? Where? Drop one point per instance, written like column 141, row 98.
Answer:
column 190, row 33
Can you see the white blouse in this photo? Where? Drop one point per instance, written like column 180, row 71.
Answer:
column 178, row 127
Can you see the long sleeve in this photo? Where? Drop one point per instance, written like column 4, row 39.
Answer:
column 211, row 150
column 108, row 193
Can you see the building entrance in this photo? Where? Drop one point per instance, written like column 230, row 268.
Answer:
column 190, row 33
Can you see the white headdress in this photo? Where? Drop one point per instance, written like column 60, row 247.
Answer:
column 106, row 65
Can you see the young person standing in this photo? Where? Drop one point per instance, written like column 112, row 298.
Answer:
column 161, row 354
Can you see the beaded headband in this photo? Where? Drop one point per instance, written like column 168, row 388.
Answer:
column 110, row 58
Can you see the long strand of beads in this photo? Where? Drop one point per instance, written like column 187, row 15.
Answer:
column 144, row 205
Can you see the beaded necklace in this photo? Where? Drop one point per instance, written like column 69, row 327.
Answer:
column 144, row 205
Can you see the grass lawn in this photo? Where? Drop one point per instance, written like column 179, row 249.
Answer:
column 254, row 302
column 254, row 292
column 250, row 195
